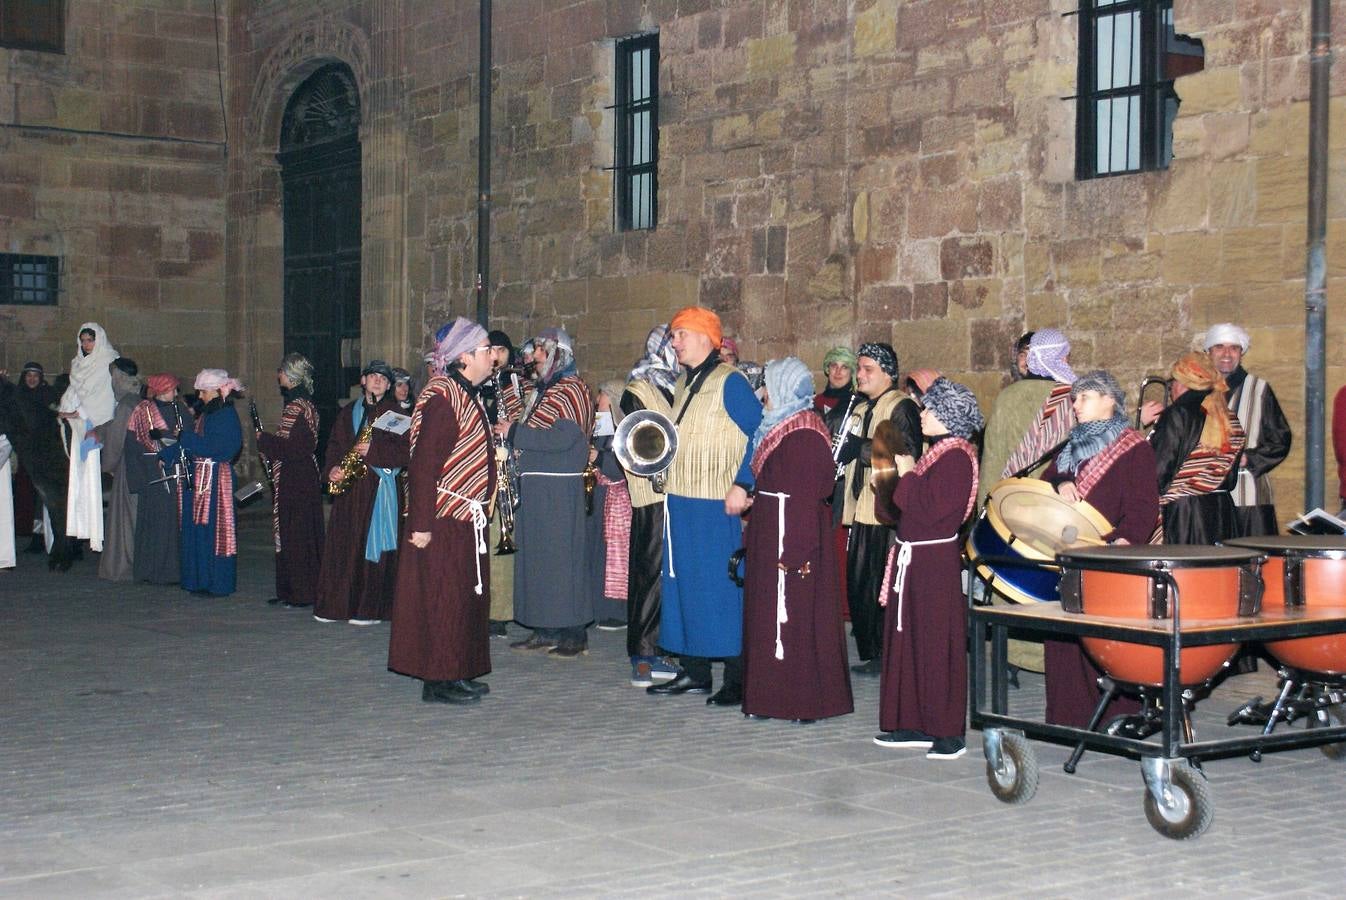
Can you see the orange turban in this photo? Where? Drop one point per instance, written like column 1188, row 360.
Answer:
column 1196, row 372
column 700, row 320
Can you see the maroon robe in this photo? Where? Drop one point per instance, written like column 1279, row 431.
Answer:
column 923, row 685
column 351, row 587
column 812, row 680
column 1125, row 494
column 297, row 515
column 441, row 625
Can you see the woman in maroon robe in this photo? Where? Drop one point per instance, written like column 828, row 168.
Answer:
column 794, row 642
column 440, row 630
column 296, row 504
column 923, row 685
column 1111, row 467
column 352, row 587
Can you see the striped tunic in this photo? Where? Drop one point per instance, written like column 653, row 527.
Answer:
column 468, row 473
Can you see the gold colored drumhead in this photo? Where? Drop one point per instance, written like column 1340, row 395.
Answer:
column 1038, row 522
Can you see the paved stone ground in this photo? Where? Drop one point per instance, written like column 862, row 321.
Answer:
column 157, row 744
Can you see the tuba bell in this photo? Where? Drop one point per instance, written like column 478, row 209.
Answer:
column 645, row 443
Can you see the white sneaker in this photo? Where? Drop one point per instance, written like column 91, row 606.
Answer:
column 321, row 619
column 365, row 621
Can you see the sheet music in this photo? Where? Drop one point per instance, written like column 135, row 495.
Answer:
column 393, row 422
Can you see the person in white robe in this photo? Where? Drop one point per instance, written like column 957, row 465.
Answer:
column 86, row 404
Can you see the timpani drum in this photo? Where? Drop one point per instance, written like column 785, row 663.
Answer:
column 1026, row 518
column 1304, row 570
column 1213, row 583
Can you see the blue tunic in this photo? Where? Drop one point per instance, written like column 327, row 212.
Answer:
column 702, row 609
column 220, row 440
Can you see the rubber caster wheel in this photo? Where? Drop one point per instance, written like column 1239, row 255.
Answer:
column 1187, row 810
column 1016, row 779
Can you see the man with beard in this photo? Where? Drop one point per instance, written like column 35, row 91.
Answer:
column 359, row 558
column 1267, row 430
column 550, row 578
column 439, row 634
column 296, row 499
column 28, row 419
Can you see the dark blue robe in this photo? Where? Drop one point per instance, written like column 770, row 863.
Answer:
column 220, row 440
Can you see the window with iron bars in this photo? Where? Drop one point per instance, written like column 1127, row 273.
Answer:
column 29, row 280
column 33, row 25
column 635, row 172
column 1129, row 58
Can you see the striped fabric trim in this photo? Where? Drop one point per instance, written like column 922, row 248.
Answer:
column 1096, row 466
column 1051, row 427
column 569, row 399
column 804, row 419
column 468, row 474
column 948, row 445
column 1202, row 472
column 1247, row 405
column 288, row 416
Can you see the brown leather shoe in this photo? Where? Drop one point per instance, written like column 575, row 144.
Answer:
column 533, row 642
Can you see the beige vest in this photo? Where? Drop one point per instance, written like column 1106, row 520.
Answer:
column 650, row 397
column 710, row 444
column 861, row 509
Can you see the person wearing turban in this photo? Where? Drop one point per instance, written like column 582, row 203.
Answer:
column 649, row 386
column 296, row 488
column 1197, row 442
column 209, row 535
column 883, row 415
column 716, row 414
column 359, row 555
column 794, row 641
column 119, row 524
column 502, row 395
column 1254, row 404
column 834, row 403
column 1109, row 465
column 150, row 428
column 922, row 690
column 440, row 633
column 552, row 587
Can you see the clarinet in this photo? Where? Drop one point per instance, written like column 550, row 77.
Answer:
column 256, row 427
column 839, row 439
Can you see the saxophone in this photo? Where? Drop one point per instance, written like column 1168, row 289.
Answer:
column 352, row 465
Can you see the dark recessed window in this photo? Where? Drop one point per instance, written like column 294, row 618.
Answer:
column 637, row 157
column 1129, row 58
column 29, row 280
column 33, row 25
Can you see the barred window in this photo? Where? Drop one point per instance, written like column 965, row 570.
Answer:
column 33, row 25
column 29, row 280
column 1129, row 58
column 635, row 185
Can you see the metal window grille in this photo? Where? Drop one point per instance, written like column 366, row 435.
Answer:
column 33, row 25
column 29, row 280
column 1129, row 56
column 635, row 185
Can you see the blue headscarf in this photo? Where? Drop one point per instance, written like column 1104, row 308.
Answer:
column 789, row 389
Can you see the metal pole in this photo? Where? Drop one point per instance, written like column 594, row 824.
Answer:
column 1315, row 275
column 484, row 170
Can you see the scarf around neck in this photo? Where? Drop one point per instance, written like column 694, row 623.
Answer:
column 1087, row 440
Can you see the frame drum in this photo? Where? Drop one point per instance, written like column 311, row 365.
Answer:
column 1304, row 570
column 1025, row 518
column 1213, row 583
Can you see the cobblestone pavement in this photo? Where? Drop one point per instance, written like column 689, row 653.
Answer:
column 159, row 744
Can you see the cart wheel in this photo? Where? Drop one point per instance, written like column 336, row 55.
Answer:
column 1334, row 718
column 1189, row 811
column 1016, row 781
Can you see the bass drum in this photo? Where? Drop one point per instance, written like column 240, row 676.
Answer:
column 1025, row 518
column 1304, row 570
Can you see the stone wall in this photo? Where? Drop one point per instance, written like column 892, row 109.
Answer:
column 111, row 157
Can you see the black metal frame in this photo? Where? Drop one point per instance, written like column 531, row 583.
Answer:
column 625, row 172
column 9, row 274
column 1152, row 88
column 992, row 674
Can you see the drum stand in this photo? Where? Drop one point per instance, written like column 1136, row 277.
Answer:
column 1140, row 725
column 1314, row 696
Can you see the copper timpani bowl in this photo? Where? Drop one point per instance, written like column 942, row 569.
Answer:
column 1300, row 571
column 1213, row 583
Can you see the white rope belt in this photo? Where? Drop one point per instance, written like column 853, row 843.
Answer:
column 479, row 526
column 903, row 549
column 554, row 474
column 782, row 615
column 668, row 539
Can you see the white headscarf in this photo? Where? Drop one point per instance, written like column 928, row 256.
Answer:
column 1227, row 333
column 90, row 392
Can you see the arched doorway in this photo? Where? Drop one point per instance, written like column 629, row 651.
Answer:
column 320, row 175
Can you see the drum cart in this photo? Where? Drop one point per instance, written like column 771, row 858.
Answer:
column 1177, row 799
